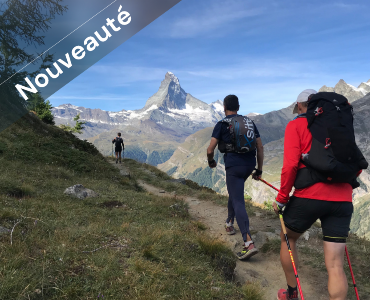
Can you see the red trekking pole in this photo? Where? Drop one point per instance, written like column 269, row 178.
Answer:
column 291, row 256
column 287, row 242
column 353, row 276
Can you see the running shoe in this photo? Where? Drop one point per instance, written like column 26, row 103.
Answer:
column 230, row 230
column 116, row 161
column 284, row 295
column 247, row 252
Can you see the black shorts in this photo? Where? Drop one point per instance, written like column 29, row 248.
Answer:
column 118, row 149
column 335, row 217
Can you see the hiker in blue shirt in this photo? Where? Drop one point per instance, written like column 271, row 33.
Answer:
column 238, row 137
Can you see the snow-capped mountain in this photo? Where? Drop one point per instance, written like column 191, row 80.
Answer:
column 253, row 114
column 169, row 107
column 349, row 91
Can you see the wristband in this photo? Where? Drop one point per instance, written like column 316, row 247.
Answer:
column 280, row 205
column 211, row 161
column 258, row 172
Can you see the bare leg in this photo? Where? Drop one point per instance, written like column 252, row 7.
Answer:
column 285, row 259
column 334, row 261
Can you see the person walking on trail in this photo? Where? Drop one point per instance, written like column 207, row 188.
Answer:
column 238, row 138
column 329, row 202
column 119, row 146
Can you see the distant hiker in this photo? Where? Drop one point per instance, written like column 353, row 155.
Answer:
column 319, row 138
column 237, row 136
column 119, row 146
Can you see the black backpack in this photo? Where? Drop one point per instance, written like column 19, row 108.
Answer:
column 118, row 141
column 334, row 155
column 243, row 136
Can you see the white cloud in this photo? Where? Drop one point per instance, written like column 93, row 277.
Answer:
column 101, row 97
column 213, row 18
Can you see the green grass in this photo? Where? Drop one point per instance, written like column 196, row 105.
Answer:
column 253, row 290
column 124, row 244
column 271, row 246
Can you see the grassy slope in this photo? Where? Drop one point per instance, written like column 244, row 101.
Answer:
column 155, row 252
column 146, row 143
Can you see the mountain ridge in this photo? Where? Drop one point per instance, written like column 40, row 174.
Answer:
column 349, row 91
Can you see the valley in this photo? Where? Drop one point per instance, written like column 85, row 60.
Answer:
column 173, row 130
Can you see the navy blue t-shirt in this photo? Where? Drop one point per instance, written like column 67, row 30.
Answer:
column 221, row 132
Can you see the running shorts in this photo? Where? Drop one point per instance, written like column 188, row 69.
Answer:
column 301, row 213
column 118, row 149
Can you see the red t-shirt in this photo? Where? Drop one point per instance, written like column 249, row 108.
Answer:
column 298, row 141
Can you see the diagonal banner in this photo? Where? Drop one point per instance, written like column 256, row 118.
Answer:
column 60, row 40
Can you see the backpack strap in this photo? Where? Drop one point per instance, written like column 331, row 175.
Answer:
column 228, row 147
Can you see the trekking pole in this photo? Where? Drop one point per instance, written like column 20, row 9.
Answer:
column 112, row 150
column 353, row 276
column 290, row 253
column 270, row 185
column 286, row 238
column 287, row 242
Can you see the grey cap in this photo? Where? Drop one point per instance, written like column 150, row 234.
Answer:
column 303, row 97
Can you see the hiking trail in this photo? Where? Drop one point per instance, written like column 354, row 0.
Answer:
column 263, row 267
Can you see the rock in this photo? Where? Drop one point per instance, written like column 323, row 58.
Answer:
column 314, row 232
column 264, row 282
column 215, row 288
column 306, row 235
column 179, row 180
column 4, row 230
column 261, row 237
column 258, row 214
column 124, row 173
column 80, row 192
column 162, row 191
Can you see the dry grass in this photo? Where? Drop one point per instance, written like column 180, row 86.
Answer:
column 125, row 242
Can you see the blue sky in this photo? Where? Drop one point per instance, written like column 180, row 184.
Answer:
column 265, row 52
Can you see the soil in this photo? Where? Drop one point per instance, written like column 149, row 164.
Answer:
column 263, row 267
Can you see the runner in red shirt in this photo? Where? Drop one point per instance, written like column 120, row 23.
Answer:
column 329, row 202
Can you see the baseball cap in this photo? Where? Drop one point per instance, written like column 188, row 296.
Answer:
column 303, row 97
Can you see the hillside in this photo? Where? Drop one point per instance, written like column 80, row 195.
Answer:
column 128, row 240
column 115, row 244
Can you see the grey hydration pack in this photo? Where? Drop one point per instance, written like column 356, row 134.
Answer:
column 243, row 136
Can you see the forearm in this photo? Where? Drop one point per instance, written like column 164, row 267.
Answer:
column 211, row 149
column 288, row 176
column 260, row 156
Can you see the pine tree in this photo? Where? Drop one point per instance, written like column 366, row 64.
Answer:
column 41, row 108
column 77, row 128
column 22, row 22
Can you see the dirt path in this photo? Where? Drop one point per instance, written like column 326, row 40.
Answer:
column 264, row 268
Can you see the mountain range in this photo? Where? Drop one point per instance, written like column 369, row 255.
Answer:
column 173, row 131
column 349, row 91
column 151, row 134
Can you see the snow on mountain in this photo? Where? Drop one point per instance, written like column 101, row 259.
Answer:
column 349, row 91
column 217, row 106
column 169, row 107
column 253, row 114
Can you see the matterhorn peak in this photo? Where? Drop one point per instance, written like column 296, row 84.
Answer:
column 171, row 77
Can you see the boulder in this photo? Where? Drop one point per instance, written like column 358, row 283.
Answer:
column 124, row 173
column 80, row 192
column 261, row 237
column 4, row 230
